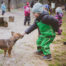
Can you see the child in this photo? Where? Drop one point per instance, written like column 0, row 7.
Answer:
column 27, row 13
column 47, row 25
column 3, row 8
column 59, row 15
column 46, row 8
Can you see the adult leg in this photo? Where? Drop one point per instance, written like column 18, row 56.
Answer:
column 3, row 12
column 25, row 20
column 28, row 20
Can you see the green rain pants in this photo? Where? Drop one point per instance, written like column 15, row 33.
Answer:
column 43, row 44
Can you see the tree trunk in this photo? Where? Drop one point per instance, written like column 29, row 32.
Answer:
column 9, row 5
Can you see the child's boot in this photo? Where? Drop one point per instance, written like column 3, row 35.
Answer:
column 47, row 57
column 59, row 32
column 39, row 52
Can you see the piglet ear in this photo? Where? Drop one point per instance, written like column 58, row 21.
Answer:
column 12, row 33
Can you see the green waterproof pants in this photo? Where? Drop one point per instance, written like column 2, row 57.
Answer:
column 43, row 44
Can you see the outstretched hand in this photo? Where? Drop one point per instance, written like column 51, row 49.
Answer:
column 23, row 34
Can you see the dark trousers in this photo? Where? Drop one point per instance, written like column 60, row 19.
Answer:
column 65, row 8
column 3, row 12
column 60, row 30
column 27, row 19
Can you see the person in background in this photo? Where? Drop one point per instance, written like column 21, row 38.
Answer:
column 59, row 15
column 53, row 7
column 32, row 3
column 47, row 25
column 3, row 7
column 65, row 6
column 46, row 8
column 27, row 13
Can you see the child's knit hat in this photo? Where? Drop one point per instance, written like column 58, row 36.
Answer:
column 59, row 10
column 37, row 8
column 27, row 3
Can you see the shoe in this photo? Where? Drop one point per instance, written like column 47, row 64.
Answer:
column 39, row 52
column 47, row 57
column 64, row 43
column 28, row 24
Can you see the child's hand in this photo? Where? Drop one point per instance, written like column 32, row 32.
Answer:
column 23, row 34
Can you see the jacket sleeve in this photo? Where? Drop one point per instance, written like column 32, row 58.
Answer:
column 31, row 28
column 50, row 20
column 60, row 16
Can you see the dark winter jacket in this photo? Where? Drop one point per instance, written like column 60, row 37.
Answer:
column 46, row 19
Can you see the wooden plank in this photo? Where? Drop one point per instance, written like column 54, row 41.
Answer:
column 3, row 23
column 11, row 18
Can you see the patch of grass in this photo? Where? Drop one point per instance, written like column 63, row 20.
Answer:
column 51, row 64
column 1, row 51
column 1, row 65
column 57, row 58
column 64, row 39
column 64, row 64
column 58, row 55
column 54, row 42
column 57, row 42
column 56, row 51
column 64, row 33
column 63, row 53
column 57, row 47
column 55, row 64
